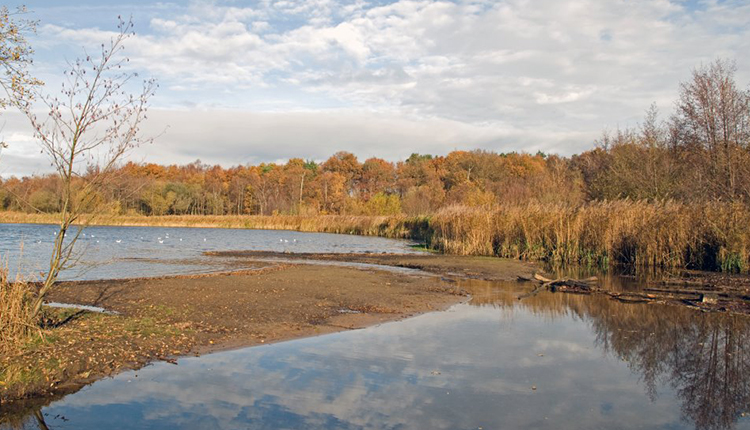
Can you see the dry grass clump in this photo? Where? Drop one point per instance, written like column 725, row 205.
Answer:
column 713, row 236
column 17, row 321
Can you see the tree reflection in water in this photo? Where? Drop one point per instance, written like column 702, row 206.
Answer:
column 705, row 357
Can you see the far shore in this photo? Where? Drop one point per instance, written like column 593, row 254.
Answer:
column 347, row 224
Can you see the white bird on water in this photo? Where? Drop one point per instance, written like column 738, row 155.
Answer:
column 161, row 241
column 118, row 240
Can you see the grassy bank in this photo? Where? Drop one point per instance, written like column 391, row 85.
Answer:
column 711, row 236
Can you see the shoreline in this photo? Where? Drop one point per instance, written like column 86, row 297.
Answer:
column 169, row 317
column 393, row 227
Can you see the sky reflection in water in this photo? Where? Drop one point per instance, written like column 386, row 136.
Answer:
column 595, row 363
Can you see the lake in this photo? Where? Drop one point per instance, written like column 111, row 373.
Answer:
column 125, row 252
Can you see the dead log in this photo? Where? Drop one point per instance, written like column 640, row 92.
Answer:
column 580, row 286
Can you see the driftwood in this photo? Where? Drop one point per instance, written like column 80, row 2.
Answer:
column 707, row 298
column 580, row 286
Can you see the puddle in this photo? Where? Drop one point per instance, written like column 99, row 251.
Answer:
column 81, row 307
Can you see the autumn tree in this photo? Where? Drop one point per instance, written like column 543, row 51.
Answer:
column 347, row 165
column 94, row 120
column 15, row 58
column 378, row 176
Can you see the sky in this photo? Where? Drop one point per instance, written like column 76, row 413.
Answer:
column 244, row 82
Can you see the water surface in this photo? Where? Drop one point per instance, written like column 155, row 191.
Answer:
column 126, row 252
column 555, row 361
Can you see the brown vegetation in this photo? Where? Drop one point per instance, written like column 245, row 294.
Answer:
column 16, row 319
column 711, row 236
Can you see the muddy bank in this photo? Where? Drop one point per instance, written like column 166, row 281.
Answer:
column 484, row 268
column 161, row 318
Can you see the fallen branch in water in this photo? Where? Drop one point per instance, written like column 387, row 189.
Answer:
column 580, row 286
column 707, row 298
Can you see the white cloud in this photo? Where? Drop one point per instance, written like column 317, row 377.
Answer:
column 546, row 69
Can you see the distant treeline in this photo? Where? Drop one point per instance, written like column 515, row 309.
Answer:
column 700, row 153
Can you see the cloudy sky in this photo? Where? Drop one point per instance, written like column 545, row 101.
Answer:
column 252, row 81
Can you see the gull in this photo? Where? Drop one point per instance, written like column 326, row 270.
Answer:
column 204, row 239
column 180, row 239
column 118, row 240
column 161, row 241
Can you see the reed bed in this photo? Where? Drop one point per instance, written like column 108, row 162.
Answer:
column 713, row 236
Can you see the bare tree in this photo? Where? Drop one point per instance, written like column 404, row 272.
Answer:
column 85, row 131
column 713, row 116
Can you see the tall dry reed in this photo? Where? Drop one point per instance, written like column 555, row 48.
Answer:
column 17, row 322
column 713, row 236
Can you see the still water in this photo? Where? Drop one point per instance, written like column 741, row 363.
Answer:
column 126, row 252
column 553, row 361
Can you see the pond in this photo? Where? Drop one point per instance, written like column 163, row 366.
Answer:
column 126, row 252
column 556, row 361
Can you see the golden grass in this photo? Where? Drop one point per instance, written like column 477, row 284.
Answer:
column 17, row 322
column 713, row 236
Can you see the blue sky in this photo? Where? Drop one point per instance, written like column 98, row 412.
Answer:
column 245, row 82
